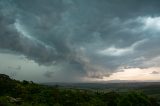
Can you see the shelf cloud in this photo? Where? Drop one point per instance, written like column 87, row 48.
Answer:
column 82, row 38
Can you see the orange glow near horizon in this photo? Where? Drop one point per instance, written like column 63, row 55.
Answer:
column 136, row 74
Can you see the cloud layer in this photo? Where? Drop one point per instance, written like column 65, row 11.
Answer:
column 86, row 38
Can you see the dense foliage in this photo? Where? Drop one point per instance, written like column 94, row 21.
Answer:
column 32, row 94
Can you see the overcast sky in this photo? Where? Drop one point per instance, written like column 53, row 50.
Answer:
column 80, row 40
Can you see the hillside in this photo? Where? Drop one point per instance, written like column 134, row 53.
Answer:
column 25, row 93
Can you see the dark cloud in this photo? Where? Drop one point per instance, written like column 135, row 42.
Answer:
column 15, row 40
column 91, row 38
column 49, row 74
column 155, row 72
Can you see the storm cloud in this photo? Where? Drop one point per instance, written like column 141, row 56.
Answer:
column 86, row 38
column 155, row 72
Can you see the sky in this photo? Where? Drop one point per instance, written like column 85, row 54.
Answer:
column 80, row 40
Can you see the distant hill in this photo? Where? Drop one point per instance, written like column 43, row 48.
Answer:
column 106, row 85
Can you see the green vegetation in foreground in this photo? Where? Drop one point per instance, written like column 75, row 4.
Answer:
column 13, row 93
